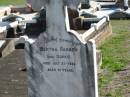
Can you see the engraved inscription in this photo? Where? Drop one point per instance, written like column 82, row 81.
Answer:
column 59, row 59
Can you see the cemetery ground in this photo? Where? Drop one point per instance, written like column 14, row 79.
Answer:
column 114, row 80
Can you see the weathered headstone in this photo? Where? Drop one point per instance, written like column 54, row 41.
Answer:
column 58, row 63
column 123, row 3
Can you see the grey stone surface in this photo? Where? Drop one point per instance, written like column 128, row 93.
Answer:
column 60, row 67
column 126, row 3
column 13, row 83
column 7, row 47
column 2, row 42
column 58, row 64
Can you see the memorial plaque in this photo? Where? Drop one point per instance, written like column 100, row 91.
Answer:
column 58, row 63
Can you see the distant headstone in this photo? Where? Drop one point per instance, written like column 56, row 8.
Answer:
column 58, row 63
column 123, row 3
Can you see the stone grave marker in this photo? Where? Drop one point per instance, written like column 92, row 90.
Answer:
column 59, row 64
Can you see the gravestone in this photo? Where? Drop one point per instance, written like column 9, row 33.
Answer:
column 59, row 64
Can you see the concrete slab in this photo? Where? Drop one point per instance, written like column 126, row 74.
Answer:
column 103, row 13
column 120, row 15
column 108, row 9
column 106, row 3
column 13, row 83
column 112, row 11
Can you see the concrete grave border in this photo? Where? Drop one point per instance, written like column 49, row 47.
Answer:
column 7, row 47
column 5, row 11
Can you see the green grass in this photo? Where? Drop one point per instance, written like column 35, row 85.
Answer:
column 12, row 2
column 115, row 51
column 116, row 93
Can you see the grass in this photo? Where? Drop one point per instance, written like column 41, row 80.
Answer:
column 116, row 52
column 12, row 2
column 116, row 93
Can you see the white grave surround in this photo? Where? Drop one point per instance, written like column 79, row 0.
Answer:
column 106, row 11
column 61, row 64
column 2, row 42
column 4, row 10
column 82, row 38
column 4, row 26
